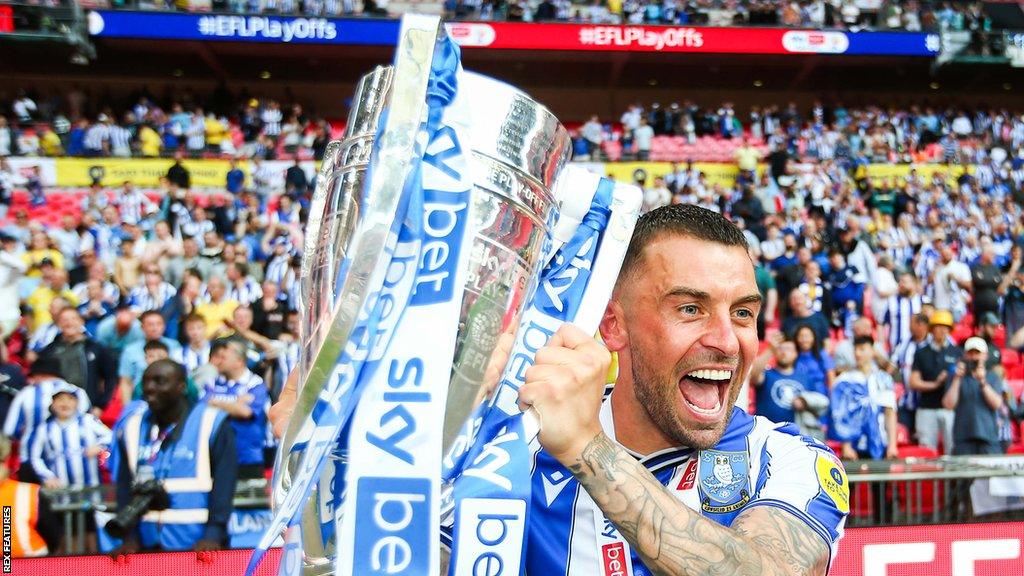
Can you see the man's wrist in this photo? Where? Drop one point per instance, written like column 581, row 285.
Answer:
column 573, row 452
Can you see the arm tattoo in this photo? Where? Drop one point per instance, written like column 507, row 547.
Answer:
column 674, row 540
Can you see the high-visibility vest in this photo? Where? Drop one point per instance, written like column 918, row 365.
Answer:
column 23, row 500
column 186, row 477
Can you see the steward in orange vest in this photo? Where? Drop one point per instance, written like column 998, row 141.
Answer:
column 34, row 528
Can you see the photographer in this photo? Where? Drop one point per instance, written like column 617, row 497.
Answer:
column 975, row 394
column 178, row 471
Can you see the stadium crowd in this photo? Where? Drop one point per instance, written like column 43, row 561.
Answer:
column 895, row 307
column 220, row 125
column 854, row 15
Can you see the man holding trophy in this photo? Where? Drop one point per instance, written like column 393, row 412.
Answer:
column 450, row 388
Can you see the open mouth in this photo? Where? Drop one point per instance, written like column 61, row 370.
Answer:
column 705, row 391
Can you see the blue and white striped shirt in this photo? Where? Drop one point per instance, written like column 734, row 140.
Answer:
column 58, row 449
column 277, row 270
column 141, row 300
column 899, row 310
column 135, row 206
column 42, row 337
column 31, row 407
column 247, row 293
column 192, row 359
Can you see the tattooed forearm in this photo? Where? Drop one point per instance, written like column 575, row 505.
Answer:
column 674, row 540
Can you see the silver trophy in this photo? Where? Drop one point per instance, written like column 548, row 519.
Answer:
column 518, row 150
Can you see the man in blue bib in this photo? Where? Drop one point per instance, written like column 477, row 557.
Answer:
column 665, row 475
column 190, row 450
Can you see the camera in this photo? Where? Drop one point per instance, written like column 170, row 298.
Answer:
column 971, row 366
column 146, row 496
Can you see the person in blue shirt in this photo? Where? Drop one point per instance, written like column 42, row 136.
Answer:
column 813, row 360
column 245, row 398
column 235, row 181
column 781, row 391
column 133, row 359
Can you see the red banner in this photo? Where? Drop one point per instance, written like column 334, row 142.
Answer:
column 945, row 550
column 6, row 18
column 522, row 36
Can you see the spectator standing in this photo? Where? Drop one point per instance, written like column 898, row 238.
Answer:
column 235, row 179
column 133, row 359
column 643, row 138
column 593, row 133
column 35, row 529
column 864, row 408
column 975, row 396
column 783, row 393
column 813, row 361
column 12, row 268
column 244, row 397
column 900, row 309
column 952, row 278
column 986, row 280
column 83, row 361
column 178, row 174
column 65, row 449
column 800, row 314
column 218, row 307
column 933, row 367
column 29, row 408
column 904, row 358
column 97, row 137
column 193, row 444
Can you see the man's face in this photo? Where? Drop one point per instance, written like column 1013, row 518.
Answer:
column 940, row 333
column 153, row 326
column 70, row 323
column 162, row 387
column 862, row 327
column 196, row 331
column 918, row 330
column 785, row 355
column 907, row 285
column 216, row 289
column 64, row 405
column 154, row 355
column 689, row 312
column 975, row 356
column 863, row 353
column 242, row 318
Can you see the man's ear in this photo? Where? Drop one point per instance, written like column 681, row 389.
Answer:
column 613, row 326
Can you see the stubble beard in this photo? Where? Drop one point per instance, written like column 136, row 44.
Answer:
column 659, row 395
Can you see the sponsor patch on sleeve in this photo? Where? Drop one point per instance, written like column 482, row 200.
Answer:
column 833, row 481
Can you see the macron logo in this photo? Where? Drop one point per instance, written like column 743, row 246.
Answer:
column 553, row 486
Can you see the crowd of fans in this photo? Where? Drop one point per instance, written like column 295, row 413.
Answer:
column 204, row 286
column 854, row 15
column 908, row 15
column 848, row 137
column 69, row 125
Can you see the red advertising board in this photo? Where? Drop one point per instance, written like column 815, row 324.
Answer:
column 946, row 550
column 6, row 18
column 522, row 36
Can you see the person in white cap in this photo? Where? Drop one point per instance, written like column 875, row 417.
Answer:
column 975, row 395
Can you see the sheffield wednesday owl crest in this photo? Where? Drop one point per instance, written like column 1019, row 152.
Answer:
column 724, row 481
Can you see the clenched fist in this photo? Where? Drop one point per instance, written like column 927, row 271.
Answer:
column 565, row 386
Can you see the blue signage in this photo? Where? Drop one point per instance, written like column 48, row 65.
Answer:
column 236, row 28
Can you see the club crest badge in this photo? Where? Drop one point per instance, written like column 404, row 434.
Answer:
column 724, row 481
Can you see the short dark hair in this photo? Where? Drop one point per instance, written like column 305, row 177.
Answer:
column 155, row 345
column 179, row 371
column 681, row 220
column 142, row 317
column 921, row 318
column 859, row 340
column 194, row 317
